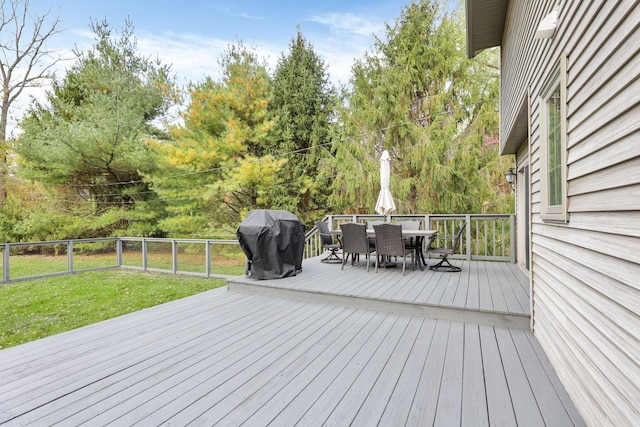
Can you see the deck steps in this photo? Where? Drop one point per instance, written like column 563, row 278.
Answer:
column 484, row 293
column 408, row 308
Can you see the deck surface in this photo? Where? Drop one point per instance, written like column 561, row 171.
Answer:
column 233, row 358
column 494, row 293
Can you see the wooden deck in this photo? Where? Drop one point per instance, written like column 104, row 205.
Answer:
column 233, row 358
column 493, row 293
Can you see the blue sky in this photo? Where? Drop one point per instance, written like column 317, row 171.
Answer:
column 191, row 35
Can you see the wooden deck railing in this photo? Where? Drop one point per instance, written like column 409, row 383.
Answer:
column 487, row 237
column 199, row 257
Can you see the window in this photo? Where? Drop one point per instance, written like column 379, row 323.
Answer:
column 553, row 144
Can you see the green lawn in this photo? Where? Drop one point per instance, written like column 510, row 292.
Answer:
column 225, row 259
column 34, row 309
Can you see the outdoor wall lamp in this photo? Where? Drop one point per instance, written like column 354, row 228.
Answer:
column 510, row 176
column 547, row 26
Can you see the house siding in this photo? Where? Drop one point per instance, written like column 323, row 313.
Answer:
column 586, row 273
column 523, row 216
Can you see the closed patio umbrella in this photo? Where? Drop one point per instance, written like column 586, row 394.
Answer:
column 385, row 204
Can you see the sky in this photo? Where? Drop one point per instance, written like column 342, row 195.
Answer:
column 192, row 35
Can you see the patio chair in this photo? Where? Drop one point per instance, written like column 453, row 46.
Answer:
column 326, row 238
column 389, row 242
column 410, row 225
column 355, row 242
column 370, row 224
column 449, row 250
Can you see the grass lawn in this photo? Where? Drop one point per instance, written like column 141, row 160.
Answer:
column 230, row 262
column 35, row 309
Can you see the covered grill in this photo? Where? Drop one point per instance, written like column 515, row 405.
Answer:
column 273, row 242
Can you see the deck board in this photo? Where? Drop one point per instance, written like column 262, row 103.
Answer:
column 474, row 399
column 376, row 401
column 398, row 406
column 549, row 402
column 483, row 292
column 191, row 392
column 318, row 398
column 499, row 302
column 130, row 378
column 485, row 287
column 424, row 402
column 285, row 388
column 279, row 359
column 449, row 407
column 473, row 294
column 351, row 402
column 499, row 404
column 522, row 395
column 549, row 373
column 227, row 358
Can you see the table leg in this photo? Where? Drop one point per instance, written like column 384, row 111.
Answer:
column 419, row 253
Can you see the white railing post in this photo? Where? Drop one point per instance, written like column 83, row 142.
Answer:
column 207, row 254
column 119, row 252
column 144, row 254
column 5, row 262
column 70, row 256
column 468, row 237
column 512, row 238
column 174, row 256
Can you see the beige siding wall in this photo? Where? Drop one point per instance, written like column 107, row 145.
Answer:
column 586, row 274
column 523, row 217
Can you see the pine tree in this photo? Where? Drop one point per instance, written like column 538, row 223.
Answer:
column 418, row 96
column 89, row 135
column 303, row 106
column 217, row 166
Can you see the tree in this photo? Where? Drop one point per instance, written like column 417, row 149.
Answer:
column 91, row 134
column 418, row 96
column 25, row 61
column 216, row 167
column 303, row 106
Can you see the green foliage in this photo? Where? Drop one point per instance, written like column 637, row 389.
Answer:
column 303, row 106
column 26, row 214
column 38, row 308
column 252, row 141
column 12, row 214
column 90, row 135
column 217, row 166
column 418, row 96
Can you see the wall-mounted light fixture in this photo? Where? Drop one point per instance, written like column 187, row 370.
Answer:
column 510, row 176
column 547, row 26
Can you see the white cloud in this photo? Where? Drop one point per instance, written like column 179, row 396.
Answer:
column 348, row 23
column 193, row 57
column 348, row 37
column 248, row 16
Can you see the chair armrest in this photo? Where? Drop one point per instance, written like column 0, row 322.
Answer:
column 435, row 238
column 331, row 235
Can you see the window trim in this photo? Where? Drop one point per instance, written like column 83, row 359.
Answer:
column 554, row 213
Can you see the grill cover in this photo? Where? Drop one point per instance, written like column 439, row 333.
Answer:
column 273, row 242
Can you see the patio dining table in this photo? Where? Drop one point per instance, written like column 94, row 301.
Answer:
column 420, row 235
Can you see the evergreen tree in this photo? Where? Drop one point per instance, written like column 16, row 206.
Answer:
column 418, row 96
column 303, row 106
column 90, row 134
column 217, row 167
